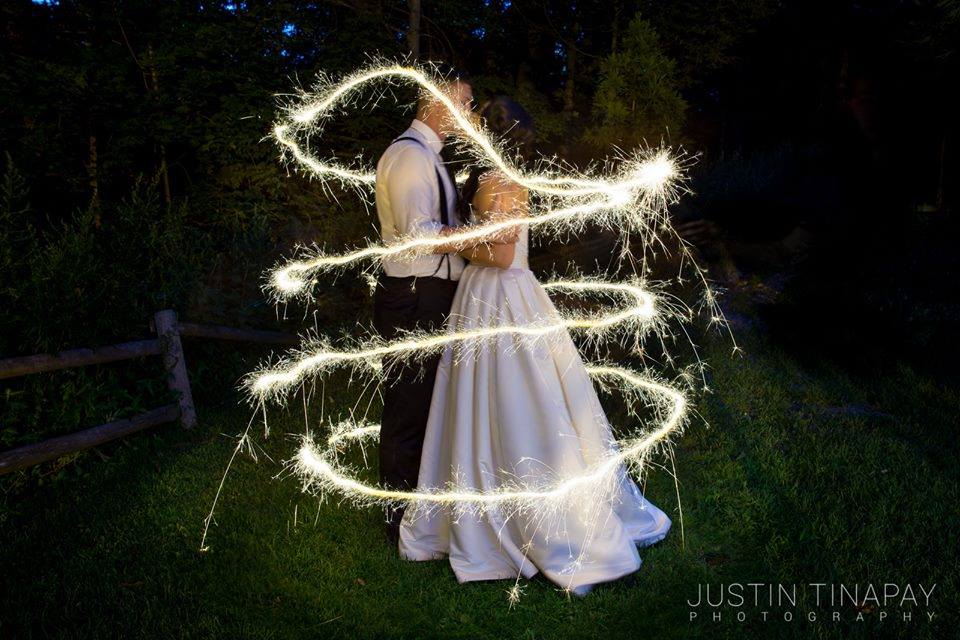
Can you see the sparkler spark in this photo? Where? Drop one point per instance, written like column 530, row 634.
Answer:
column 272, row 382
column 631, row 198
column 320, row 469
column 634, row 198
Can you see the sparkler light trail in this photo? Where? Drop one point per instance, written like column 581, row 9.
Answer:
column 272, row 382
column 634, row 198
column 320, row 469
column 330, row 95
column 631, row 197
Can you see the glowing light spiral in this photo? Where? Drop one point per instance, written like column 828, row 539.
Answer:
column 630, row 196
column 274, row 381
column 633, row 198
column 321, row 470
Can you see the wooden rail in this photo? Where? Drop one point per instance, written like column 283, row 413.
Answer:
column 31, row 454
column 26, row 365
column 229, row 333
column 167, row 344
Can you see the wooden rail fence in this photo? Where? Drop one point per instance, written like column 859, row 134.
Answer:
column 167, row 344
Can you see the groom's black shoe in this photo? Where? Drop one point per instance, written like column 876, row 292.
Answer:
column 394, row 516
column 393, row 533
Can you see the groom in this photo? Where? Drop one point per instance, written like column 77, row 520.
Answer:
column 415, row 194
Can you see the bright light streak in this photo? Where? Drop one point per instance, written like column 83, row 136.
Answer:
column 274, row 381
column 632, row 198
column 321, row 471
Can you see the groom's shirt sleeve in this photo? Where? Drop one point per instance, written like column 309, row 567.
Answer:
column 413, row 193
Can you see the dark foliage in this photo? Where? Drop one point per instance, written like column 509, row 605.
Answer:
column 136, row 175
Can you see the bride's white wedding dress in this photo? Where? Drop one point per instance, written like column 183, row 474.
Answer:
column 512, row 413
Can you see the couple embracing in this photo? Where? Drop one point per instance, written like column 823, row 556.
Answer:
column 488, row 415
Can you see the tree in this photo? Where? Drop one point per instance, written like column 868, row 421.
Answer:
column 413, row 32
column 637, row 97
column 702, row 36
column 933, row 39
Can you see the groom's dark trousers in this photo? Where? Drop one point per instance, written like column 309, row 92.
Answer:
column 411, row 303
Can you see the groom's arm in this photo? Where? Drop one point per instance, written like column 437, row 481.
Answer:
column 413, row 194
column 503, row 237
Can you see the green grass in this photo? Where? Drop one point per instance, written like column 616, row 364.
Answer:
column 784, row 486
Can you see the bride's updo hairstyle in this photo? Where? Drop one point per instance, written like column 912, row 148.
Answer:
column 513, row 126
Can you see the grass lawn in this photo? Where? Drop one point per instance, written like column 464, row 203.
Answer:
column 804, row 475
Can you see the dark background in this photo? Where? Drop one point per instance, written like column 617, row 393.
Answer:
column 136, row 175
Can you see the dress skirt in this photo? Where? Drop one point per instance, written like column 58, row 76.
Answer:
column 514, row 413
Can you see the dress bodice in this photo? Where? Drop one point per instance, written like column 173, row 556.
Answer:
column 521, row 252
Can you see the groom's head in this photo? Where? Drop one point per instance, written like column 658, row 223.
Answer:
column 455, row 84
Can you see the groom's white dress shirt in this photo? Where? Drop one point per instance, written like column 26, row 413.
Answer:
column 408, row 201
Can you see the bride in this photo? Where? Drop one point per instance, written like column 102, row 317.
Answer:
column 512, row 414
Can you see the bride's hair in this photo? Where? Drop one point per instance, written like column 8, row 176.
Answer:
column 513, row 126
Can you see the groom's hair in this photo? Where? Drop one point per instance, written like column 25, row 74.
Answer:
column 451, row 73
column 445, row 74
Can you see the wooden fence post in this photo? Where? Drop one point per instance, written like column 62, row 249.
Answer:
column 177, row 379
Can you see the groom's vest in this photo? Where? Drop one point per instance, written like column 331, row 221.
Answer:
column 444, row 213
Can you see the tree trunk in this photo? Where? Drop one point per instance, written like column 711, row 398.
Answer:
column 943, row 163
column 155, row 88
column 413, row 33
column 615, row 27
column 569, row 87
column 525, row 70
column 93, row 178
